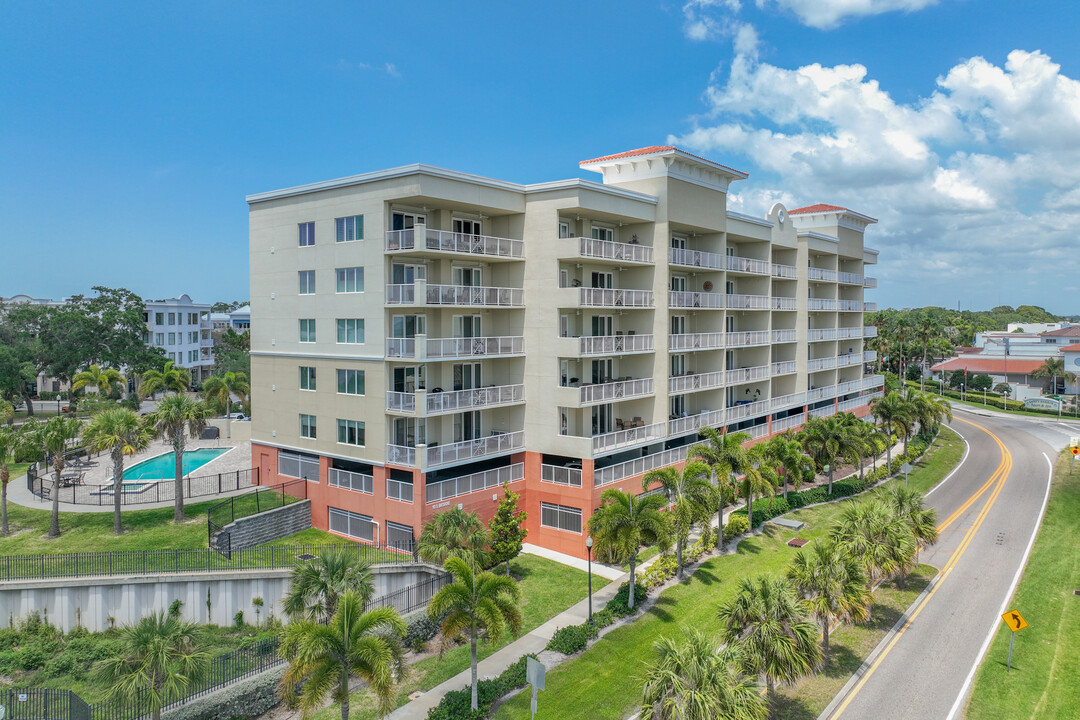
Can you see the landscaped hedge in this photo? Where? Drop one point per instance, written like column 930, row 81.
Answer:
column 246, row 699
column 618, row 605
column 735, row 526
column 457, row 704
column 572, row 639
column 420, row 630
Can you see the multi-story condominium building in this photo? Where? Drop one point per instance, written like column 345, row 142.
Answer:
column 182, row 329
column 422, row 335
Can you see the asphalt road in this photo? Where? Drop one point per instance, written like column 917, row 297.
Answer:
column 924, row 670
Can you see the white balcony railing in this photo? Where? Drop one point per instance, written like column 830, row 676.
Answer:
column 869, row 355
column 445, row 241
column 474, row 482
column 783, row 336
column 747, row 265
column 616, row 391
column 478, row 448
column 482, row 296
column 848, row 386
column 400, row 401
column 750, row 302
column 475, row 347
column 869, row 282
column 870, row 331
column 693, row 423
column 869, row 307
column 785, row 367
column 696, row 341
column 628, row 437
column 610, row 250
column 745, row 375
column 873, row 381
column 639, row 466
column 615, row 344
column 609, row 297
column 847, row 333
column 821, row 334
column 695, row 258
column 822, row 274
column 821, row 304
column 746, row 410
column 684, row 299
column 757, row 431
column 784, row 271
column 402, row 294
column 401, row 455
column 787, row 423
column 818, row 364
column 351, row 481
column 787, row 401
column 821, row 393
column 784, row 303
column 853, row 358
column 475, row 398
column 695, row 381
column 853, row 403
column 746, row 339
column 850, row 278
column 397, row 490
column 849, row 305
column 571, row 477
column 401, row 347
column 825, row 411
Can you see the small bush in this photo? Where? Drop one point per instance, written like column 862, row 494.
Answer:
column 736, row 525
column 603, row 618
column 457, row 704
column 572, row 639
column 420, row 631
column 618, row 605
column 246, row 699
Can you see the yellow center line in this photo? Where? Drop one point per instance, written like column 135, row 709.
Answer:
column 963, row 508
column 999, row 476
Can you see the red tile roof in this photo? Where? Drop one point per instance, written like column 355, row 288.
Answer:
column 656, row 149
column 968, row 350
column 1071, row 331
column 1071, row 348
column 989, row 365
column 818, row 208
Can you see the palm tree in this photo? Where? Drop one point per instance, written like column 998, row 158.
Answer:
column 316, row 586
column 910, row 507
column 930, row 410
column 865, row 440
column 323, row 657
column 891, row 410
column 828, row 440
column 786, row 455
column 624, row 523
column 102, row 379
column 691, row 495
column 692, row 681
column 178, row 416
column 159, row 659
column 1053, row 368
column 727, row 457
column 9, row 442
column 476, row 601
column 454, row 533
column 120, row 432
column 926, row 331
column 168, row 379
column 870, row 532
column 219, row 392
column 833, row 584
column 767, row 620
column 55, row 436
column 759, row 478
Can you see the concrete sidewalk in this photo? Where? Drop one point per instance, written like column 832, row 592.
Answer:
column 604, row 571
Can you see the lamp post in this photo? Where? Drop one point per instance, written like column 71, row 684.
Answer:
column 588, row 547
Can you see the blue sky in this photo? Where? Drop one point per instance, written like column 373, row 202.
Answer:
column 130, row 134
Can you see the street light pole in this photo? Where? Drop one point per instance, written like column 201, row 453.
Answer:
column 588, row 547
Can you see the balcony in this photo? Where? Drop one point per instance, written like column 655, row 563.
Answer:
column 869, row 356
column 692, row 382
column 400, row 491
column 694, row 423
column 696, row 341
column 750, row 302
column 570, row 477
column 629, row 437
column 422, row 294
column 822, row 275
column 870, row 331
column 442, row 241
column 853, row 403
column 746, row 339
column 787, row 367
column 849, row 305
column 424, row 348
column 821, row 393
column 402, row 402
column 639, row 466
column 746, row 410
column 869, row 307
column 787, row 401
column 439, row 403
column 847, row 333
column 735, row 376
column 854, row 358
column 495, row 444
column 784, row 271
column 474, row 482
column 783, row 336
column 821, row 334
column 849, row 278
column 821, row 304
column 825, row 411
column 848, row 386
column 615, row 344
column 873, row 381
column 400, row 455
column 615, row 391
column 704, row 300
column 819, row 364
column 611, row 298
column 749, row 266
column 619, row 252
column 784, row 303
column 358, row 482
column 869, row 282
column 696, row 259
column 792, row 421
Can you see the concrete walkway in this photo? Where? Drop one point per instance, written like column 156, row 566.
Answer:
column 605, row 571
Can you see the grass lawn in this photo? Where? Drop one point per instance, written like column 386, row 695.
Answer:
column 1046, row 657
column 604, row 681
column 849, row 645
column 547, row 588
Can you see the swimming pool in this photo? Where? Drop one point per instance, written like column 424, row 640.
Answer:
column 163, row 467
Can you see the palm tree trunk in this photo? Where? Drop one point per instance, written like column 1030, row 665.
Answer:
column 472, row 642
column 345, row 693
column 860, row 468
column 750, row 507
column 825, row 642
column 4, row 478
column 888, row 448
column 830, row 478
column 118, row 485
column 784, row 477
column 633, row 567
column 770, row 694
column 54, row 524
column 178, row 480
column 720, row 527
column 678, row 556
column 922, row 374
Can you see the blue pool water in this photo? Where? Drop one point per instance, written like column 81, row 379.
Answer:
column 164, row 466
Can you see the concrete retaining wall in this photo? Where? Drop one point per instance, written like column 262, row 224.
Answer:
column 264, row 527
column 91, row 602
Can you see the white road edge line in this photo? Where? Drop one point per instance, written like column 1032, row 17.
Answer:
column 967, row 448
column 1008, row 596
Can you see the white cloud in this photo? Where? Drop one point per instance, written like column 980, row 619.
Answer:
column 826, row 14
column 701, row 24
column 392, row 71
column 981, row 171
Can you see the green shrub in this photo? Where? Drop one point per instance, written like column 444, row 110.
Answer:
column 572, row 639
column 420, row 631
column 248, row 698
column 618, row 605
column 457, row 704
column 603, row 618
column 736, row 525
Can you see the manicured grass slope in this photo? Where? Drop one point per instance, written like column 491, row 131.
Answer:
column 1046, row 658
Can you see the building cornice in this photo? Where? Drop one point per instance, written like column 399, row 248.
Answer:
column 748, row 218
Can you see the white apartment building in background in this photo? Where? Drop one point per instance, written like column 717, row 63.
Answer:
column 182, row 329
column 422, row 335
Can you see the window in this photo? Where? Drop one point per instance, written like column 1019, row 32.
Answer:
column 193, row 318
column 560, row 517
column 350, row 382
column 307, row 330
column 399, row 536
column 350, row 432
column 172, row 338
column 193, row 337
column 298, row 465
column 351, row 524
column 603, row 233
column 307, row 378
column 399, row 490
column 159, row 339
column 172, row 318
column 307, row 426
column 307, row 282
column 564, row 229
column 350, row 331
column 307, row 234
column 350, row 228
column 159, row 318
column 350, row 280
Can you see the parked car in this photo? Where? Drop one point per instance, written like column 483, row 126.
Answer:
column 237, row 416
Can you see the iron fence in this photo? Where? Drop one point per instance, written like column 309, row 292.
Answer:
column 42, row 704
column 219, row 516
column 140, row 492
column 414, row 597
column 148, row 562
